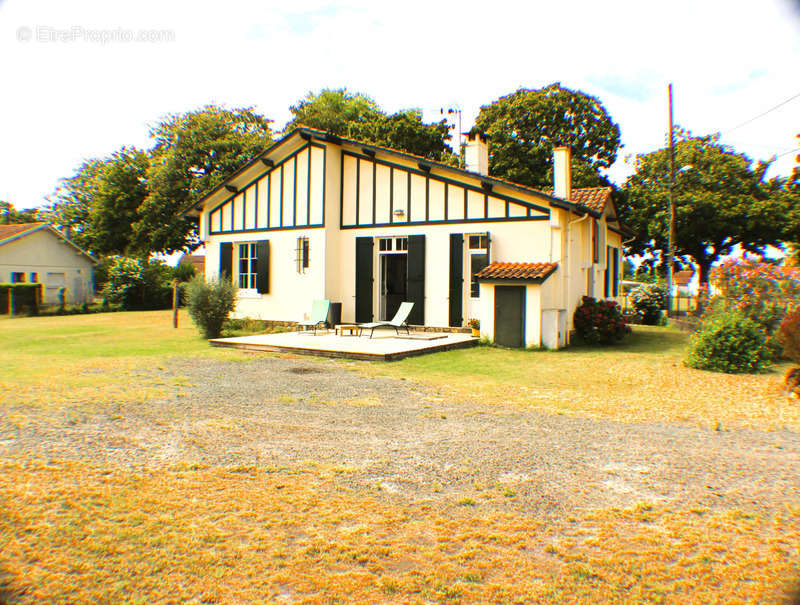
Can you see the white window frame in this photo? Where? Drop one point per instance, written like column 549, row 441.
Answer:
column 251, row 275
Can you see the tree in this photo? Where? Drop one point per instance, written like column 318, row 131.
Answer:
column 68, row 209
column 526, row 125
column 10, row 215
column 193, row 153
column 120, row 189
column 721, row 201
column 357, row 116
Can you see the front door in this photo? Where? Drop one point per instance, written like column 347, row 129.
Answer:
column 394, row 280
column 509, row 316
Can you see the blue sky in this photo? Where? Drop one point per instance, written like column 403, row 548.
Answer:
column 78, row 97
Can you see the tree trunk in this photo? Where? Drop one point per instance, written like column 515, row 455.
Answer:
column 703, row 294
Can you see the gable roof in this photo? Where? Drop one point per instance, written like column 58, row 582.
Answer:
column 12, row 233
column 594, row 198
column 7, row 231
column 308, row 133
column 517, row 271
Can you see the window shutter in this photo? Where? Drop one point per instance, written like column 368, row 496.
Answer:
column 456, row 278
column 607, row 275
column 416, row 279
column 262, row 266
column 226, row 260
column 616, row 271
column 363, row 279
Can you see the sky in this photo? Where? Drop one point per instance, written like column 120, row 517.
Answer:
column 82, row 78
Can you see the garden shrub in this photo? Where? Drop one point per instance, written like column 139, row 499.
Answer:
column 184, row 272
column 135, row 284
column 648, row 300
column 210, row 303
column 730, row 342
column 599, row 321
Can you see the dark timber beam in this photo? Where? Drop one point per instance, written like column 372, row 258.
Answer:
column 267, row 162
column 231, row 188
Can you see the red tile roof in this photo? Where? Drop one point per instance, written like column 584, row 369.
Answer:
column 523, row 271
column 594, row 198
column 7, row 231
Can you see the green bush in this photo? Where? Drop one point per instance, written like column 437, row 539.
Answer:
column 210, row 303
column 184, row 272
column 648, row 300
column 732, row 343
column 599, row 321
column 25, row 298
column 135, row 284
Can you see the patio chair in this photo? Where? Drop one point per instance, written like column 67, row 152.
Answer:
column 319, row 315
column 400, row 320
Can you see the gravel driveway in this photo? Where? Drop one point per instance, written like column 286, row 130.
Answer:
column 406, row 439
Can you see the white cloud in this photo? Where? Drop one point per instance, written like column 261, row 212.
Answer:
column 66, row 101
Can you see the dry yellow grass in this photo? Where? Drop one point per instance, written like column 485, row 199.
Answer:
column 73, row 533
column 641, row 381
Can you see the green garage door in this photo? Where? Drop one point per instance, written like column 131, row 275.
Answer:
column 509, row 316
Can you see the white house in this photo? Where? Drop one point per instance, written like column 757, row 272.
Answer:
column 320, row 216
column 38, row 252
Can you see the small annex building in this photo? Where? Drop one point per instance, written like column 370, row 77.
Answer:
column 318, row 216
column 40, row 253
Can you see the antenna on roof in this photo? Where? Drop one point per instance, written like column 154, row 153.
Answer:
column 457, row 112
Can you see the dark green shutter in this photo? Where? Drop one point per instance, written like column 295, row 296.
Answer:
column 607, row 288
column 363, row 279
column 262, row 266
column 416, row 279
column 456, row 278
column 226, row 260
column 615, row 277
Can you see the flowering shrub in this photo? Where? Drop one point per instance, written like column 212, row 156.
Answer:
column 789, row 336
column 730, row 342
column 648, row 300
column 763, row 292
column 599, row 321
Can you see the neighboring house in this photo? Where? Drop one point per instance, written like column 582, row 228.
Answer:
column 197, row 261
column 320, row 216
column 38, row 252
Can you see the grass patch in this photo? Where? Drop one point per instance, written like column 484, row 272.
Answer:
column 642, row 379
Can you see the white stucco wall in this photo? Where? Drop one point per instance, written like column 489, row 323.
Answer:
column 55, row 261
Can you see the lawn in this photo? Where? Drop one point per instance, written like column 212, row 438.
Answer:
column 79, row 531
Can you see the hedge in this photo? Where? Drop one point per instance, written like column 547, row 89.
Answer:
column 24, row 297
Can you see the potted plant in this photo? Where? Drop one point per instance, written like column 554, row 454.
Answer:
column 475, row 324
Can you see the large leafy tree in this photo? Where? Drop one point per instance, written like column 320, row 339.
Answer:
column 526, row 125
column 120, row 189
column 357, row 116
column 69, row 207
column 721, row 201
column 9, row 214
column 193, row 152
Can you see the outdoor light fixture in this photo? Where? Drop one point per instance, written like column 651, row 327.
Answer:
column 399, row 212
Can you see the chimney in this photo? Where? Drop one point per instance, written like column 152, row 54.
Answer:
column 562, row 173
column 476, row 153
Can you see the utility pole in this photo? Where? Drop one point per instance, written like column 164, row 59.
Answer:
column 671, row 236
column 457, row 112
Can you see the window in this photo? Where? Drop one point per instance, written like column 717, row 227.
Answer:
column 302, row 252
column 401, row 244
column 479, row 241
column 478, row 244
column 248, row 266
column 35, row 278
column 385, row 244
column 17, row 277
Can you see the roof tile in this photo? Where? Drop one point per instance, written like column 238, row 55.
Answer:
column 7, row 231
column 522, row 271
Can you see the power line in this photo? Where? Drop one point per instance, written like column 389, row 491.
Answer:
column 761, row 115
column 778, row 155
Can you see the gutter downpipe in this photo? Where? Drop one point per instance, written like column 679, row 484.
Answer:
column 568, row 276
